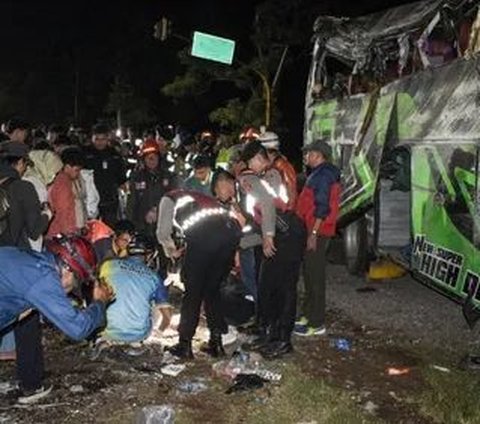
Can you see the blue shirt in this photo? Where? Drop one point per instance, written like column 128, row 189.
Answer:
column 32, row 280
column 136, row 288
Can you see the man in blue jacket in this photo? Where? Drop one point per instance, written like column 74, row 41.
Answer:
column 31, row 282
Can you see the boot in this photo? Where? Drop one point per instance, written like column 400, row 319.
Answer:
column 182, row 350
column 214, row 347
column 260, row 341
column 278, row 348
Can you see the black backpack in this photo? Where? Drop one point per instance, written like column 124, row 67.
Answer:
column 4, row 204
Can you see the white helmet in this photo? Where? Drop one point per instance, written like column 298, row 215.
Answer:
column 269, row 139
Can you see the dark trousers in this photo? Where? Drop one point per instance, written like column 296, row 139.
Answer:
column 208, row 260
column 109, row 213
column 277, row 291
column 28, row 340
column 314, row 275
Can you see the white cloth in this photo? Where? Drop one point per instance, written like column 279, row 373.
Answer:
column 92, row 196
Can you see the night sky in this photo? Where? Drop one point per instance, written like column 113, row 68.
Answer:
column 51, row 47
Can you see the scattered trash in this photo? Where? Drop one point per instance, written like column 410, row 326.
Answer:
column 370, row 407
column 168, row 358
column 395, row 396
column 7, row 387
column 135, row 351
column 245, row 382
column 244, row 363
column 192, row 387
column 162, row 414
column 341, row 344
column 77, row 388
column 398, row 371
column 173, row 370
column 439, row 368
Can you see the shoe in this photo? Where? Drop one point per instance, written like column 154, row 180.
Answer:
column 214, row 347
column 182, row 350
column 300, row 328
column 310, row 331
column 27, row 397
column 277, row 349
column 303, row 321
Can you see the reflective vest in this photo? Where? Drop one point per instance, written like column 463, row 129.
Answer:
column 193, row 208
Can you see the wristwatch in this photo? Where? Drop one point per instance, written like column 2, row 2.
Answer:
column 314, row 232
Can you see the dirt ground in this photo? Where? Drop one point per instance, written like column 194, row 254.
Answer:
column 116, row 386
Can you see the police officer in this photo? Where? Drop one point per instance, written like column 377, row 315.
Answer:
column 147, row 186
column 211, row 233
column 283, row 236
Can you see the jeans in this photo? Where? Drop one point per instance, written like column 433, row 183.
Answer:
column 248, row 271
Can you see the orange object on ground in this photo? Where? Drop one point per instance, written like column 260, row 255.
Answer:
column 398, row 371
column 97, row 230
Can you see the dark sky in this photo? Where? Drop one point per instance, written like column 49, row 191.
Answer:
column 46, row 45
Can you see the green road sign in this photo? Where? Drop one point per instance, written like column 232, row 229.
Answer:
column 211, row 47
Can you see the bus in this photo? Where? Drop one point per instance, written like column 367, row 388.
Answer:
column 397, row 95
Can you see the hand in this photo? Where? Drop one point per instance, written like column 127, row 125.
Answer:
column 312, row 242
column 175, row 253
column 269, row 247
column 103, row 292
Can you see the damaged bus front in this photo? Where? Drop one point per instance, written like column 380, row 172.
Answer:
column 397, row 95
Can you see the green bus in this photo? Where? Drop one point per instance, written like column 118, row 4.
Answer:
column 397, row 94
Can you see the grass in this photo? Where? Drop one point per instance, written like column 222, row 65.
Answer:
column 297, row 399
column 451, row 398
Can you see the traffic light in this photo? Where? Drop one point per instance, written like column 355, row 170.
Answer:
column 162, row 29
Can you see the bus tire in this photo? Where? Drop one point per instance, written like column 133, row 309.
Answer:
column 356, row 246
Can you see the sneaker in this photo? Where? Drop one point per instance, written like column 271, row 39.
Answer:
column 28, row 397
column 303, row 321
column 310, row 331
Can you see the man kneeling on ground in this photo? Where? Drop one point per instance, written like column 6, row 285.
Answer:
column 137, row 287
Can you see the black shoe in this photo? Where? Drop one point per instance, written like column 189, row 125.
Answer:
column 182, row 350
column 277, row 349
column 214, row 347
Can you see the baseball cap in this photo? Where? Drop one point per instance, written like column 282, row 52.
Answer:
column 13, row 149
column 319, row 146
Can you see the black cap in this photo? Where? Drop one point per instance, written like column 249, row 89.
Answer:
column 13, row 149
column 252, row 149
column 319, row 146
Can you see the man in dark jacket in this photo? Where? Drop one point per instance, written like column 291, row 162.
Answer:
column 318, row 206
column 147, row 187
column 26, row 218
column 109, row 172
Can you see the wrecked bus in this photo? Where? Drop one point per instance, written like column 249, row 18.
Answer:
column 397, row 94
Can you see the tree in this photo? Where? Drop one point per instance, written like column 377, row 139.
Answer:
column 279, row 25
column 129, row 107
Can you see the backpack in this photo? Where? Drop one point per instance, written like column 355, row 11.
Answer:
column 4, row 204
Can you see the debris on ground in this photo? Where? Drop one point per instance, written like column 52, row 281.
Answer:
column 398, row 371
column 173, row 370
column 246, row 382
column 162, row 414
column 442, row 369
column 192, row 387
column 370, row 407
column 77, row 388
column 341, row 344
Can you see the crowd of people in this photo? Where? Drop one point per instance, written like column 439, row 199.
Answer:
column 84, row 217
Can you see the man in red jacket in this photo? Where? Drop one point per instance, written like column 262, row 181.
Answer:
column 318, row 206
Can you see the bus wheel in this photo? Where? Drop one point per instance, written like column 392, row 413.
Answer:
column 355, row 241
